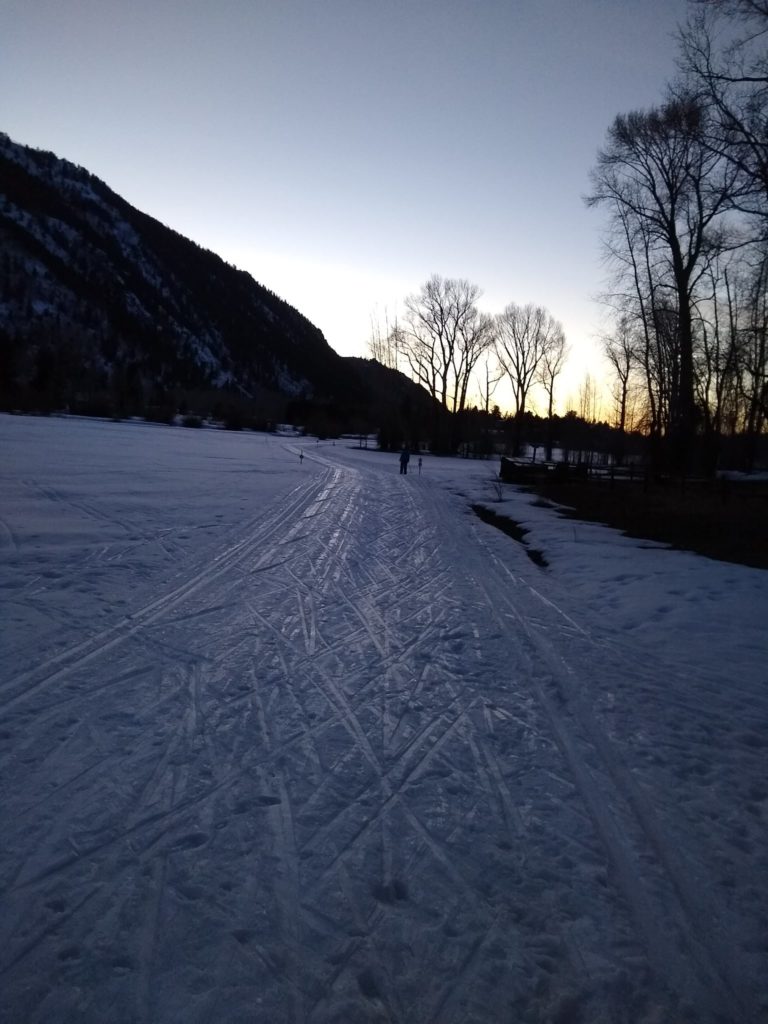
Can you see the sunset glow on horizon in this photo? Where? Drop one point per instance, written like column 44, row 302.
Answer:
column 342, row 153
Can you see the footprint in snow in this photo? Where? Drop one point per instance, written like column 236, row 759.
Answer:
column 368, row 985
column 392, row 892
column 191, row 841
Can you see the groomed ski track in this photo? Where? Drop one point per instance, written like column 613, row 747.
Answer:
column 351, row 767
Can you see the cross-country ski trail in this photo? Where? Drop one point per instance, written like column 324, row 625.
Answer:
column 352, row 766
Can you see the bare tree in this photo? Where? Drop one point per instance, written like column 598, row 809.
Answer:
column 753, row 361
column 476, row 335
column 383, row 342
column 552, row 362
column 732, row 79
column 630, row 249
column 663, row 185
column 620, row 349
column 489, row 374
column 443, row 337
column 717, row 354
column 724, row 56
column 588, row 399
column 523, row 335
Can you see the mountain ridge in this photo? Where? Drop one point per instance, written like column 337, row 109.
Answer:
column 102, row 304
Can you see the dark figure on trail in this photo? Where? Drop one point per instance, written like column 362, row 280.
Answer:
column 404, row 457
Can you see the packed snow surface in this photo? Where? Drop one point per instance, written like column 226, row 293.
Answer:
column 289, row 740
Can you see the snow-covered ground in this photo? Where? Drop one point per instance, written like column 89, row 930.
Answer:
column 293, row 740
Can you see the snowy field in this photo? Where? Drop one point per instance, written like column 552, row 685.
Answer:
column 305, row 741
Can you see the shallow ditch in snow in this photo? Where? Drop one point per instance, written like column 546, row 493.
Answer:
column 512, row 529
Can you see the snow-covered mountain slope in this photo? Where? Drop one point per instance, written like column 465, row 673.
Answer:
column 96, row 297
column 291, row 740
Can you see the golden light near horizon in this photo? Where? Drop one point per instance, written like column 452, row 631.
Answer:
column 349, row 303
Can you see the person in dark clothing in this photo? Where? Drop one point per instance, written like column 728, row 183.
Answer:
column 405, row 455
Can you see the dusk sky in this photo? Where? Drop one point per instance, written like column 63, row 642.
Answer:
column 342, row 151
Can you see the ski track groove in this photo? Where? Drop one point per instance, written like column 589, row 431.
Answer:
column 10, row 536
column 446, row 1008
column 148, row 942
column 291, row 906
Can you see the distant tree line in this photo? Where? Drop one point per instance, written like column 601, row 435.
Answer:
column 686, row 188
column 457, row 354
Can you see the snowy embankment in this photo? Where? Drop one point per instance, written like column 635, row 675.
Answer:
column 293, row 740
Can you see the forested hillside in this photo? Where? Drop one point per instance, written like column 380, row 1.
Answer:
column 103, row 308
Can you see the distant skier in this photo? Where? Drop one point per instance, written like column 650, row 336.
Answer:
column 301, row 457
column 405, row 456
column 419, row 465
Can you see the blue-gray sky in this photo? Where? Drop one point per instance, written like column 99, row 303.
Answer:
column 342, row 151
